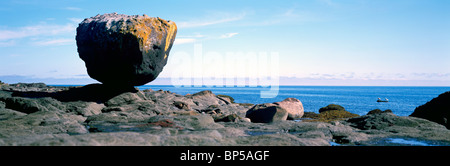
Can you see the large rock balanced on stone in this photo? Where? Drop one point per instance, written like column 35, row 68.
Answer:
column 122, row 50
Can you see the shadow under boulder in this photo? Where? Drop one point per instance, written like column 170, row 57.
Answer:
column 99, row 93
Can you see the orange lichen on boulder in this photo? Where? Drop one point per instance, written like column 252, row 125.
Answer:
column 143, row 28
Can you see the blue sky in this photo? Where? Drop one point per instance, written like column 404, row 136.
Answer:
column 319, row 42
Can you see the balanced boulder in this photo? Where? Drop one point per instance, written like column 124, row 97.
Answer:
column 125, row 50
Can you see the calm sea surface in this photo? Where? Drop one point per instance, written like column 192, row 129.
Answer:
column 355, row 99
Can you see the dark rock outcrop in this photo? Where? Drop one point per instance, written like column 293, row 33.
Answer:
column 329, row 113
column 378, row 111
column 331, row 107
column 125, row 50
column 436, row 110
column 328, row 116
column 381, row 121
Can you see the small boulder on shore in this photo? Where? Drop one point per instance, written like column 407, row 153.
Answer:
column 266, row 113
column 293, row 106
column 289, row 108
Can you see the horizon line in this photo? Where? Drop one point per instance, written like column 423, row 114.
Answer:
column 248, row 86
column 282, row 81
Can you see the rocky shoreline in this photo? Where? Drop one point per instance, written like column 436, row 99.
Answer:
column 37, row 114
column 122, row 52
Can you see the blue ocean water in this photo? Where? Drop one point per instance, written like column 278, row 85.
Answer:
column 355, row 99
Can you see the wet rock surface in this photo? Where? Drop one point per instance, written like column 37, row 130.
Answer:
column 165, row 118
column 388, row 125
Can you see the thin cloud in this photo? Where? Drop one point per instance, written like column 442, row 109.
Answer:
column 184, row 40
column 15, row 55
column 217, row 19
column 285, row 17
column 7, row 43
column 71, row 8
column 55, row 42
column 378, row 76
column 228, row 35
column 76, row 20
column 198, row 38
column 328, row 3
column 42, row 34
column 431, row 75
column 191, row 36
column 36, row 30
column 290, row 13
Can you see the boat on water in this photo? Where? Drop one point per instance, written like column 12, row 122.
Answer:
column 385, row 100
